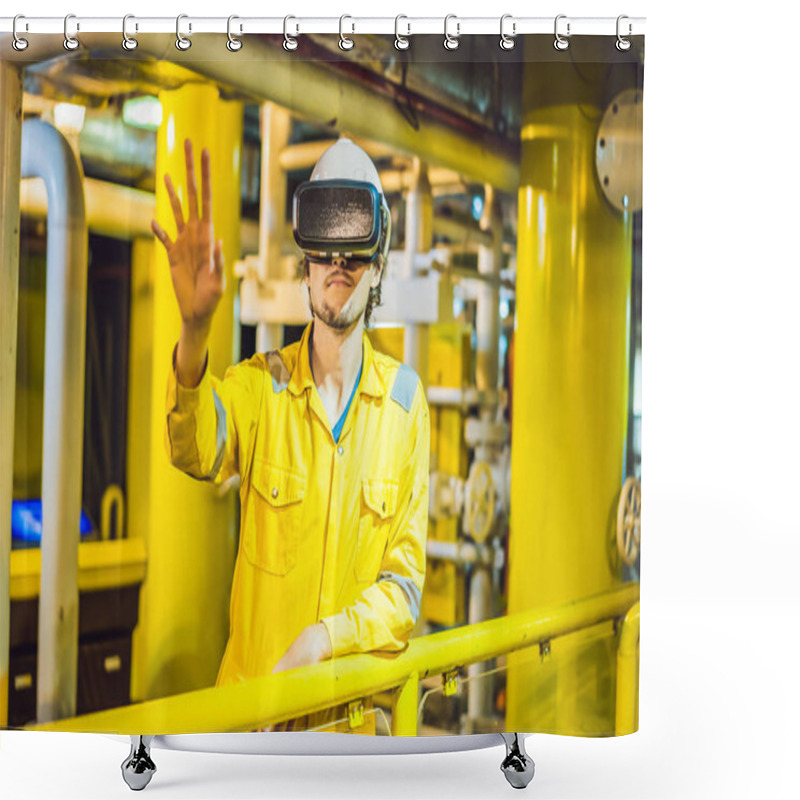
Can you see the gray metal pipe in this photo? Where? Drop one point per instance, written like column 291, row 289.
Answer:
column 11, row 126
column 47, row 154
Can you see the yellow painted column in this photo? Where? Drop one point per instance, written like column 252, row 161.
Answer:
column 10, row 144
column 190, row 527
column 570, row 396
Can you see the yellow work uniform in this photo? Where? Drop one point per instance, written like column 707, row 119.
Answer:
column 330, row 531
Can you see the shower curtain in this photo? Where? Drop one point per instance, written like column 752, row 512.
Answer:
column 260, row 478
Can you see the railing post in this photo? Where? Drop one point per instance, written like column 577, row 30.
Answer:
column 404, row 707
column 627, row 718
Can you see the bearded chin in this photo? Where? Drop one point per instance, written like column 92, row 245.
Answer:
column 339, row 322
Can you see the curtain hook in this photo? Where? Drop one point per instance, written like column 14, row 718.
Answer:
column 288, row 42
column 561, row 42
column 182, row 43
column 128, row 42
column 401, row 42
column 70, row 42
column 18, row 43
column 344, row 42
column 507, row 42
column 623, row 44
column 451, row 42
column 234, row 44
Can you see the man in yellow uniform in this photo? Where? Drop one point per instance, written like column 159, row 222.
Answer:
column 330, row 437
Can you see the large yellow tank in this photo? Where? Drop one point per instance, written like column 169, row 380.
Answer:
column 190, row 531
column 570, row 396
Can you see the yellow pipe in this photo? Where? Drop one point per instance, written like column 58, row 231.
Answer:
column 405, row 703
column 628, row 674
column 570, row 392
column 101, row 565
column 118, row 211
column 112, row 496
column 265, row 701
column 10, row 154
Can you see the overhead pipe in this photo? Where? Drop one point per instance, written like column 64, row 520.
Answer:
column 10, row 144
column 117, row 211
column 305, row 154
column 276, row 127
column 310, row 89
column 47, row 154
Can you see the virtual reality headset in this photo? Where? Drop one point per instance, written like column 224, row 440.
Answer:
column 340, row 218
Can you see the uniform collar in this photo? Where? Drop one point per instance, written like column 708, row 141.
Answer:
column 302, row 379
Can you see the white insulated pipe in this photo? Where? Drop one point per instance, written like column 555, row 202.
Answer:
column 276, row 127
column 487, row 324
column 487, row 321
column 117, row 211
column 47, row 154
column 419, row 239
column 11, row 126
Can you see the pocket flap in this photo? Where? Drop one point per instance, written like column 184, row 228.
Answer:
column 278, row 486
column 381, row 496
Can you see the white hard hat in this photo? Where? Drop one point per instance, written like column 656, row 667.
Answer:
column 345, row 160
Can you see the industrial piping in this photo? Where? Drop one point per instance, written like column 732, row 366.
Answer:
column 11, row 125
column 47, row 154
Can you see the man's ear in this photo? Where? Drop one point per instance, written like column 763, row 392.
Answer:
column 377, row 269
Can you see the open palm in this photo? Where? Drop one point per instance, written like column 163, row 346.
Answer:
column 195, row 258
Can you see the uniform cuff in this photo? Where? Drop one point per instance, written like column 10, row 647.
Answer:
column 342, row 633
column 180, row 397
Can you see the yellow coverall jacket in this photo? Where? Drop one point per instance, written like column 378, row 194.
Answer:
column 330, row 531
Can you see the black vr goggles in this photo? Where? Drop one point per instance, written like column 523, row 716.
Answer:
column 340, row 218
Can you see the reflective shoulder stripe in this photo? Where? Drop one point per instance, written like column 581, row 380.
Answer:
column 222, row 434
column 277, row 369
column 405, row 387
column 409, row 589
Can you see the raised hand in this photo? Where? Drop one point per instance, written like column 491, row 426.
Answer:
column 195, row 258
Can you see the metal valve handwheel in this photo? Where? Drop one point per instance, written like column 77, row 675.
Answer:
column 629, row 520
column 480, row 506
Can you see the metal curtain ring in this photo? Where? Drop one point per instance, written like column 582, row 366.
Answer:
column 561, row 43
column 128, row 42
column 70, row 42
column 401, row 42
column 288, row 42
column 451, row 42
column 182, row 43
column 234, row 44
column 623, row 44
column 18, row 43
column 344, row 42
column 507, row 42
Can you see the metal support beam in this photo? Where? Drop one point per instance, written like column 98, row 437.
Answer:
column 11, row 126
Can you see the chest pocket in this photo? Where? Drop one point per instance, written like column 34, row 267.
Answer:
column 271, row 537
column 378, row 509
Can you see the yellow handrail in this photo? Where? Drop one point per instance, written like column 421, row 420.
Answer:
column 264, row 701
column 627, row 720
